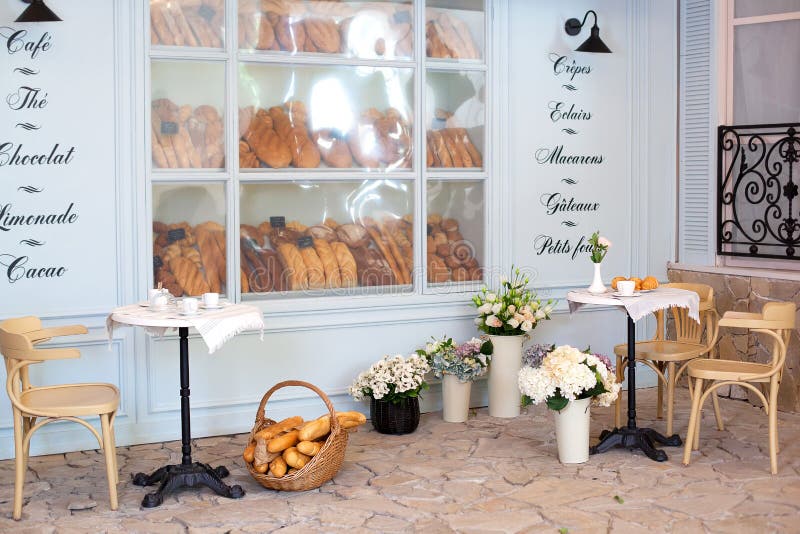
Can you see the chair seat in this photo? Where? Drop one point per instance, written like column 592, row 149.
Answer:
column 727, row 370
column 71, row 399
column 664, row 351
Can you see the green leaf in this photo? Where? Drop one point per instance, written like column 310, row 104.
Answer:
column 619, row 499
column 557, row 402
column 563, row 530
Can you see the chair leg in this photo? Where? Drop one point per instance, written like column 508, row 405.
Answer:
column 717, row 411
column 693, row 416
column 670, row 395
column 660, row 397
column 773, row 424
column 19, row 463
column 618, row 402
column 109, row 451
column 114, row 446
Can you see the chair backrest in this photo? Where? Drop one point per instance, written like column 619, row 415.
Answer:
column 776, row 320
column 687, row 330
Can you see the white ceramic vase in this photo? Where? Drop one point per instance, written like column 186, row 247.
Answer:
column 504, row 394
column 572, row 432
column 455, row 397
column 597, row 286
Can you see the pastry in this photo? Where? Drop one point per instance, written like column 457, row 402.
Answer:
column 314, row 268
column 347, row 264
column 305, row 154
column 364, row 144
column 649, row 282
column 188, row 276
column 296, row 226
column 353, row 235
column 383, row 248
column 273, row 151
column 441, row 155
column 290, row 35
column 438, row 272
column 272, row 263
column 210, row 253
column 257, row 275
column 266, row 35
column 372, row 268
column 252, row 233
column 615, row 280
column 167, row 280
column 331, row 223
column 323, row 33
column 327, row 258
column 321, row 232
column 638, row 282
column 475, row 156
column 295, row 266
column 158, row 25
column 333, row 150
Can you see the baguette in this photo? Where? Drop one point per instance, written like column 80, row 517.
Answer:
column 249, row 453
column 315, row 429
column 295, row 458
column 278, row 467
column 309, row 448
column 273, row 430
column 283, row 442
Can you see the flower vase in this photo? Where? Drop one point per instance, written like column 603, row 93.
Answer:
column 504, row 395
column 572, row 432
column 597, row 286
column 455, row 399
column 390, row 418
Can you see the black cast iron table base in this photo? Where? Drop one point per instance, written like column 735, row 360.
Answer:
column 173, row 477
column 187, row 474
column 630, row 436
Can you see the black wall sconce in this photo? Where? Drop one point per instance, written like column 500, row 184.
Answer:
column 37, row 11
column 593, row 44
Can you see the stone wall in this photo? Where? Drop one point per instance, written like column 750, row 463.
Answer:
column 748, row 294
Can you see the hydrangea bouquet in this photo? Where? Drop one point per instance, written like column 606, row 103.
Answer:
column 466, row 362
column 568, row 374
column 512, row 310
column 393, row 378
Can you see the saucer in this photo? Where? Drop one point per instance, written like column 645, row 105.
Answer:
column 189, row 314
column 217, row 307
column 618, row 294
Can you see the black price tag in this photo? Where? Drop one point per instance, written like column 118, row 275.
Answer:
column 278, row 222
column 158, row 263
column 176, row 235
column 438, row 124
column 305, row 242
column 430, row 230
column 169, row 128
column 402, row 17
column 207, row 12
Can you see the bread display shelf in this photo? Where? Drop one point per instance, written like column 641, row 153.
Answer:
column 189, row 260
column 348, row 29
column 183, row 137
column 195, row 23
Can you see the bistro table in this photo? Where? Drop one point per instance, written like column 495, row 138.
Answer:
column 636, row 307
column 215, row 327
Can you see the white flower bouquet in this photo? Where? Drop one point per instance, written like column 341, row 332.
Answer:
column 466, row 362
column 568, row 374
column 392, row 378
column 512, row 310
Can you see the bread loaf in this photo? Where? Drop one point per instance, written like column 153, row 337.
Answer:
column 188, row 276
column 347, row 264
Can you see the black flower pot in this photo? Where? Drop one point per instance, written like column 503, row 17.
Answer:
column 389, row 418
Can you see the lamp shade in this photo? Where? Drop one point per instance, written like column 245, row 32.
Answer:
column 37, row 11
column 594, row 44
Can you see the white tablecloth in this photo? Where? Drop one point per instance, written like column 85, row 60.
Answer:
column 638, row 307
column 216, row 327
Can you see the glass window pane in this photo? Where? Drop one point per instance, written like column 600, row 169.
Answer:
column 370, row 30
column 327, row 117
column 455, row 230
column 189, row 238
column 188, row 115
column 753, row 8
column 326, row 237
column 456, row 118
column 454, row 29
column 187, row 23
column 766, row 74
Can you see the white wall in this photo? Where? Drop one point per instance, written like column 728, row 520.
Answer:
column 329, row 346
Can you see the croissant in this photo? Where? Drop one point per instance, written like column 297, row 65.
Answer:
column 188, row 276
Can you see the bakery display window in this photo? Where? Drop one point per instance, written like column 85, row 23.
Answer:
column 187, row 114
column 455, row 222
column 315, row 117
column 189, row 247
column 455, row 119
column 331, row 237
column 455, row 30
column 364, row 30
column 195, row 23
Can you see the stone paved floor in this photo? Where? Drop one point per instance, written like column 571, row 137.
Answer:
column 486, row 475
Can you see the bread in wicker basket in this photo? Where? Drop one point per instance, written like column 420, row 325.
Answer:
column 321, row 467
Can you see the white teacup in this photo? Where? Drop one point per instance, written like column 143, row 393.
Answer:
column 211, row 300
column 190, row 305
column 158, row 301
column 626, row 287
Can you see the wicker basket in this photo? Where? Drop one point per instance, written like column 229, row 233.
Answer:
column 322, row 467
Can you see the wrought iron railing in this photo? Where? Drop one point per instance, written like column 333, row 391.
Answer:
column 758, row 209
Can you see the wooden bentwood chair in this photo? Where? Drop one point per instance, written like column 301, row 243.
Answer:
column 669, row 358
column 776, row 320
column 18, row 340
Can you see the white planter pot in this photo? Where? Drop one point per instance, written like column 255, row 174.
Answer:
column 455, row 397
column 572, row 432
column 504, row 394
column 597, row 282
